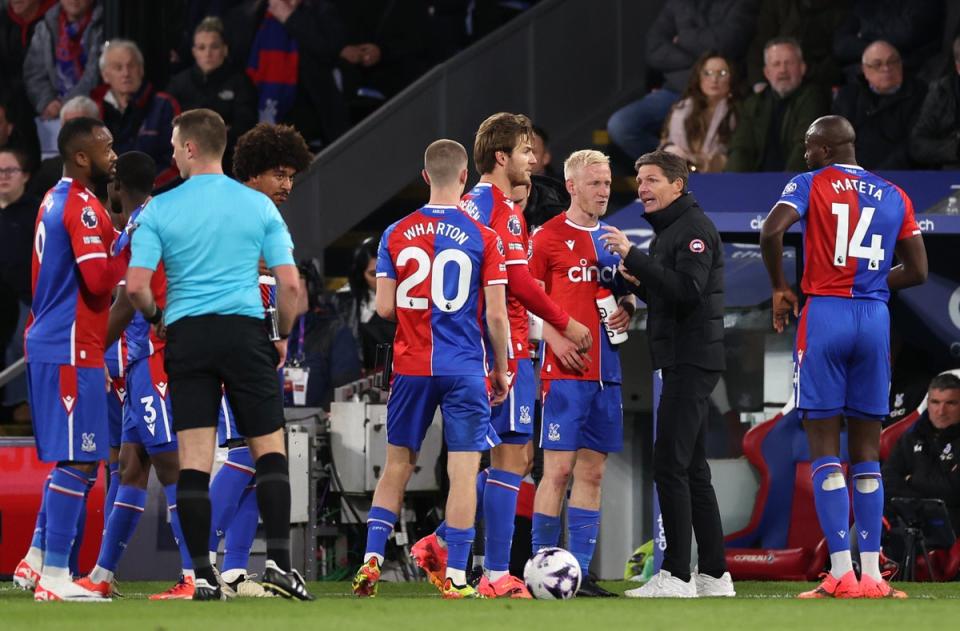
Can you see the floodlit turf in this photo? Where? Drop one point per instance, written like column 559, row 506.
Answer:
column 768, row 606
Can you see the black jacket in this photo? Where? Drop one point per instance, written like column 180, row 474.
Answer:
column 17, row 222
column 227, row 91
column 682, row 284
column 883, row 121
column 935, row 141
column 931, row 458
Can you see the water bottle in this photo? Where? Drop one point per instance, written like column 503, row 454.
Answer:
column 607, row 305
column 273, row 329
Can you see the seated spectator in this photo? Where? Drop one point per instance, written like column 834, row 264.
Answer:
column 51, row 169
column 681, row 32
column 915, row 28
column 61, row 62
column 541, row 151
column 18, row 216
column 17, row 23
column 699, row 125
column 17, row 130
column 356, row 302
column 211, row 83
column 883, row 107
column 139, row 117
column 812, row 23
column 386, row 49
column 290, row 49
column 925, row 462
column 935, row 140
column 771, row 124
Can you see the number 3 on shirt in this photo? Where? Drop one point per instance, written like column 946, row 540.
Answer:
column 439, row 268
column 856, row 249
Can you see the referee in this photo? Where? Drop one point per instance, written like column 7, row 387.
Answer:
column 210, row 233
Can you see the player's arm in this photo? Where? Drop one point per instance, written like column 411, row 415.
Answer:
column 495, row 301
column 912, row 269
column 121, row 313
column 566, row 352
column 619, row 320
column 99, row 272
column 147, row 249
column 387, row 298
column 524, row 287
column 288, row 295
column 784, row 301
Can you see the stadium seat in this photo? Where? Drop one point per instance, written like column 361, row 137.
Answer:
column 783, row 540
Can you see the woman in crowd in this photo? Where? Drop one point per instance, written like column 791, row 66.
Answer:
column 700, row 125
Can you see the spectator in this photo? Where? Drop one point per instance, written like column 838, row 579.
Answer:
column 51, row 169
column 935, row 140
column 925, row 462
column 883, row 107
column 684, row 30
column 915, row 28
column 386, row 49
column 700, row 124
column 772, row 123
column 211, row 83
column 541, row 151
column 139, row 117
column 290, row 49
column 17, row 23
column 61, row 62
column 357, row 306
column 17, row 131
column 810, row 22
column 18, row 214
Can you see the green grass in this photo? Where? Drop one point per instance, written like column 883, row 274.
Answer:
column 416, row 606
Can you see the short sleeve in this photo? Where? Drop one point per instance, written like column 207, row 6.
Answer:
column 797, row 193
column 146, row 247
column 385, row 268
column 538, row 254
column 512, row 230
column 277, row 243
column 87, row 225
column 909, row 227
column 494, row 269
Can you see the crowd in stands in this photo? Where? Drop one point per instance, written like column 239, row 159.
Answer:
column 737, row 82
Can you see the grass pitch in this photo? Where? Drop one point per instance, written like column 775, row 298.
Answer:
column 417, row 606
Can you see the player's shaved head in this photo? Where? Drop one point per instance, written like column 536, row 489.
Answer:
column 74, row 134
column 444, row 161
column 830, row 140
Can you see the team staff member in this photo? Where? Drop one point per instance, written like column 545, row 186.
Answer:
column 681, row 280
column 210, row 233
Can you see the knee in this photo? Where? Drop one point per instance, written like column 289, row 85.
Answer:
column 398, row 471
column 557, row 475
column 591, row 476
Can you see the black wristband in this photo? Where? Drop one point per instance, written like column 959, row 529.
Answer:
column 156, row 317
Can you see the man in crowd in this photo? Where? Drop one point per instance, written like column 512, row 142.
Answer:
column 854, row 223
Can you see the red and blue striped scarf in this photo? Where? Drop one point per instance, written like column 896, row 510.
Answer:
column 272, row 66
column 71, row 57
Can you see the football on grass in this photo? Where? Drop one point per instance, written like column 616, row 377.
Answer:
column 552, row 574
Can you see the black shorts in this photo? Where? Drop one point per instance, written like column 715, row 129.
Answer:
column 204, row 352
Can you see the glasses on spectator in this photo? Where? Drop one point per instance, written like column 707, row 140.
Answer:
column 10, row 171
column 893, row 62
column 723, row 74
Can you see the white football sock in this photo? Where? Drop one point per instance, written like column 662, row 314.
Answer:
column 840, row 563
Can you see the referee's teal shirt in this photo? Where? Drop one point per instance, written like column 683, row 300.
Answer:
column 210, row 233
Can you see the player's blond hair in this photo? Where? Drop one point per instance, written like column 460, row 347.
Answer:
column 578, row 160
column 444, row 161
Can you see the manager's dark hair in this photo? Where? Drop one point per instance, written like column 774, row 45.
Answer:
column 946, row 381
column 267, row 147
column 73, row 133
column 136, row 171
column 673, row 166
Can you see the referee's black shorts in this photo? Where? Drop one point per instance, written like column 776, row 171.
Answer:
column 206, row 351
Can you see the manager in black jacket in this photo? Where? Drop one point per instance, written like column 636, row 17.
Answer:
column 681, row 280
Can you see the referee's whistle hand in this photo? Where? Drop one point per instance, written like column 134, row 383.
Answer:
column 281, row 346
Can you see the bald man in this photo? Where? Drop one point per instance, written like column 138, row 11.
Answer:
column 853, row 222
column 883, row 105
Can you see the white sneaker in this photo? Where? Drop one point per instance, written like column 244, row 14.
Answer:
column 664, row 585
column 709, row 587
column 65, row 589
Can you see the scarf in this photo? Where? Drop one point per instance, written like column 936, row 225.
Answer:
column 272, row 66
column 71, row 58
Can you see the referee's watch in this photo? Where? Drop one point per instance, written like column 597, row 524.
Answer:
column 156, row 317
